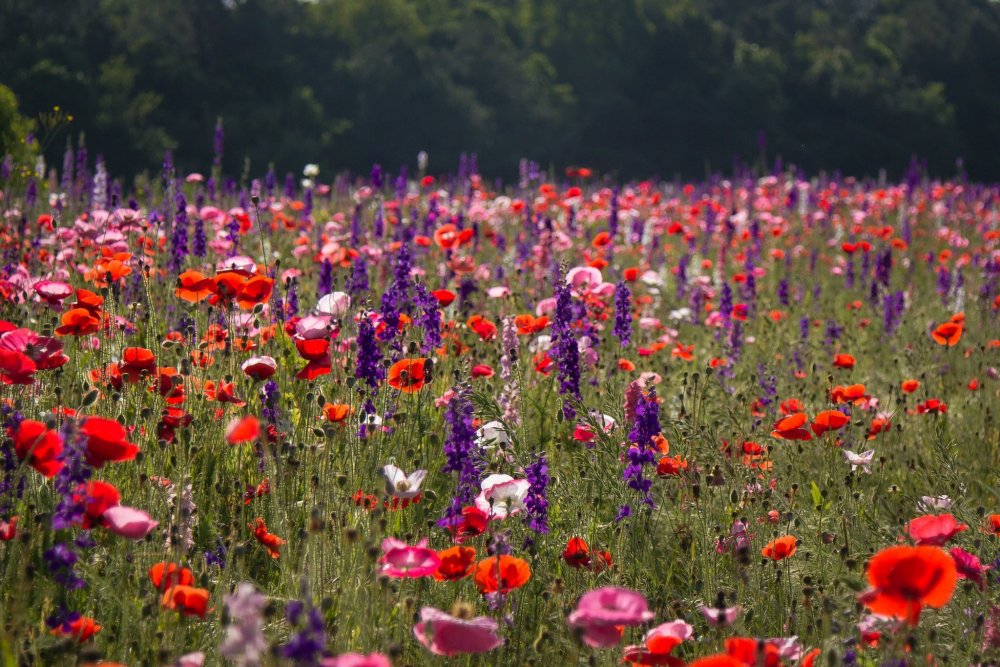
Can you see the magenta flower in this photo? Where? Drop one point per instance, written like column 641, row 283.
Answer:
column 720, row 616
column 356, row 660
column 600, row 612
column 443, row 634
column 969, row 567
column 129, row 522
column 401, row 560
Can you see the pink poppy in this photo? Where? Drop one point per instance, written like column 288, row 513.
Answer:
column 969, row 567
column 443, row 634
column 129, row 522
column 934, row 530
column 335, row 304
column 311, row 327
column 259, row 368
column 600, row 614
column 720, row 616
column 356, row 660
column 53, row 291
column 401, row 560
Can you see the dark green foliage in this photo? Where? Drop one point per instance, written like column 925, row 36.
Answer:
column 640, row 86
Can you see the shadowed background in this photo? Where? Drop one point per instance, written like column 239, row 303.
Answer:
column 637, row 87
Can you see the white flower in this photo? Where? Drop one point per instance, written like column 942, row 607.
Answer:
column 307, row 183
column 335, row 304
column 680, row 314
column 540, row 344
column 310, row 170
column 491, row 434
column 862, row 460
column 502, row 496
column 929, row 503
column 401, row 485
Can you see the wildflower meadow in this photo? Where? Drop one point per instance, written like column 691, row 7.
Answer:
column 429, row 418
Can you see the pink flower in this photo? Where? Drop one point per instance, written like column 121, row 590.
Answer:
column 969, row 567
column 502, row 495
column 259, row 368
column 600, row 613
column 54, row 292
column 583, row 278
column 335, row 304
column 446, row 635
column 356, row 660
column 720, row 617
column 934, row 530
column 313, row 326
column 401, row 560
column 196, row 659
column 129, row 522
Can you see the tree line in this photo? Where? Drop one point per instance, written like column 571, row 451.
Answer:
column 635, row 87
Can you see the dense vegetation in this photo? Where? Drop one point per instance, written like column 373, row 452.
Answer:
column 634, row 86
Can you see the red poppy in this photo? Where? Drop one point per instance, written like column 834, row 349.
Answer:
column 829, row 420
column 904, row 580
column 843, row 361
column 407, row 375
column 671, row 466
column 80, row 629
column 471, row 523
column 879, row 425
column 577, row 553
column 227, row 285
column 790, row 427
column 528, row 324
column 337, row 412
column 8, row 529
column 780, row 548
column 934, row 530
column 78, row 322
column 136, row 363
column 269, row 541
column 854, row 393
column 193, row 286
column 482, row 371
column 41, row 447
column 485, row 329
column 223, row 392
column 243, row 430
column 501, row 574
column 188, row 600
column 456, row 563
column 790, row 406
column 256, row 290
column 97, row 497
column 106, row 442
column 166, row 575
column 934, row 405
column 910, row 386
column 948, row 333
column 444, row 297
column 685, row 352
column 16, row 367
column 449, row 236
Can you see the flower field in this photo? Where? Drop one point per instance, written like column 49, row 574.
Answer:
column 406, row 419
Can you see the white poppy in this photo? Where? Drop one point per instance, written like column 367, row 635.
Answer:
column 401, row 485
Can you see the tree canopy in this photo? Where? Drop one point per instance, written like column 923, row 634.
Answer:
column 639, row 87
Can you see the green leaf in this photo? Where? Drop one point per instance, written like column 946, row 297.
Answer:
column 817, row 497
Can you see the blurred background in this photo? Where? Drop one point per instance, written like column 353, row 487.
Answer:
column 631, row 87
